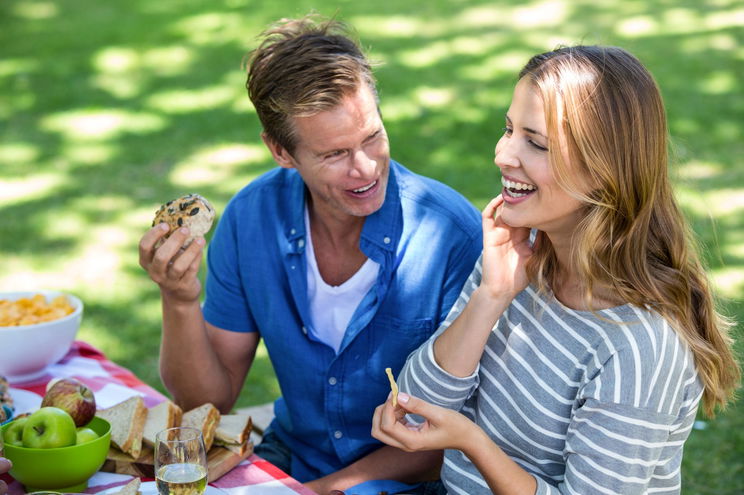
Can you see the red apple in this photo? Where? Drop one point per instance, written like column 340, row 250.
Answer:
column 74, row 397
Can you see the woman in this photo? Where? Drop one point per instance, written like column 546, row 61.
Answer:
column 574, row 364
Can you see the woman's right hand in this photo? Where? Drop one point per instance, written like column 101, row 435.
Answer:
column 174, row 269
column 506, row 250
column 442, row 429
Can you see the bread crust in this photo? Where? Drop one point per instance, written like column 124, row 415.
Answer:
column 205, row 418
column 127, row 421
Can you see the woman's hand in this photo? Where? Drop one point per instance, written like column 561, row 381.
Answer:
column 506, row 250
column 170, row 266
column 442, row 429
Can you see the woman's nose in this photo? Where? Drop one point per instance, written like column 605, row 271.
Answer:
column 506, row 154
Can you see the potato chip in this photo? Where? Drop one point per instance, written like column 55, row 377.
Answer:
column 393, row 386
column 32, row 310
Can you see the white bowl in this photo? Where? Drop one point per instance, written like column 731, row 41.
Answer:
column 26, row 351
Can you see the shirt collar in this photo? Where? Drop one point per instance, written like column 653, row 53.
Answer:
column 383, row 227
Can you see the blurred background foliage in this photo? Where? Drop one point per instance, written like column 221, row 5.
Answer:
column 107, row 109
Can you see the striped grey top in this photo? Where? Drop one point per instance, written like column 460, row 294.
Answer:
column 583, row 404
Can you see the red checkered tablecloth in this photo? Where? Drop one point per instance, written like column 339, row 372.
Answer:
column 111, row 384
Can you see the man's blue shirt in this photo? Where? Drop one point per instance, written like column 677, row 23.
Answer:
column 426, row 238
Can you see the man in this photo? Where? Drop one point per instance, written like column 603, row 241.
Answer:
column 341, row 260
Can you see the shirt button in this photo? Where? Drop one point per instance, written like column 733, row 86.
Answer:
column 338, row 434
column 304, row 330
column 301, row 242
column 386, row 240
column 332, row 380
column 292, row 267
column 293, row 232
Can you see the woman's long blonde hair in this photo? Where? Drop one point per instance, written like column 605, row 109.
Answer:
column 633, row 239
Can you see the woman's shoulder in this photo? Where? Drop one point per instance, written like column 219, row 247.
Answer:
column 645, row 363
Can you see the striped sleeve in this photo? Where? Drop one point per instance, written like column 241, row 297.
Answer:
column 624, row 447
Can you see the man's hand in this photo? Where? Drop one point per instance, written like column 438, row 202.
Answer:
column 443, row 428
column 5, row 466
column 170, row 266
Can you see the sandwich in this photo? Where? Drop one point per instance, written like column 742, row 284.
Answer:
column 131, row 488
column 233, row 432
column 164, row 415
column 127, row 421
column 205, row 418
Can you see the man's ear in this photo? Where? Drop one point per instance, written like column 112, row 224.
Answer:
column 279, row 152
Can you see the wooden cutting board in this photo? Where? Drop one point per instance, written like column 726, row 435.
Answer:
column 219, row 461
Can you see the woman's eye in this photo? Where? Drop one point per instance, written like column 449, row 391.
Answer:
column 537, row 146
column 507, row 131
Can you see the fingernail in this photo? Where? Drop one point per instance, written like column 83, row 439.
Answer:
column 184, row 230
column 163, row 226
column 200, row 241
column 403, row 397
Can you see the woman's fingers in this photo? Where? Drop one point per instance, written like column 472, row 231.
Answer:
column 488, row 215
column 381, row 425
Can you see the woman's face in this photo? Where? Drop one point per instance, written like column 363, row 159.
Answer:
column 532, row 197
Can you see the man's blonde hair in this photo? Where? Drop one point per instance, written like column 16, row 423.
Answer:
column 302, row 67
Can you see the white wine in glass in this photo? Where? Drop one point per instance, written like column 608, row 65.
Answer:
column 180, row 462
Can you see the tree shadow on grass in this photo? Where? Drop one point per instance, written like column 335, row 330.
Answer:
column 107, row 107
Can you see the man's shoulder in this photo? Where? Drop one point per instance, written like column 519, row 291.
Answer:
column 420, row 191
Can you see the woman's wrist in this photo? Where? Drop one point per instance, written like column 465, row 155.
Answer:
column 472, row 440
column 489, row 303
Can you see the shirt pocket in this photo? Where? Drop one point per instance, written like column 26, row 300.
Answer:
column 391, row 340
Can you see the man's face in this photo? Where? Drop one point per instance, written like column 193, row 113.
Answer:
column 343, row 156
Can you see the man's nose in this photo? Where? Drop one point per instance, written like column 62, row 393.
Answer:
column 363, row 165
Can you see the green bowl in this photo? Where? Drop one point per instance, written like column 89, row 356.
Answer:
column 65, row 469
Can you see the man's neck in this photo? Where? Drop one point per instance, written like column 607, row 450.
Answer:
column 336, row 245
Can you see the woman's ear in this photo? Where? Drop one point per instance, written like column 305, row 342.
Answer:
column 281, row 156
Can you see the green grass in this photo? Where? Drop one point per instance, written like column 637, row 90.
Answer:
column 109, row 108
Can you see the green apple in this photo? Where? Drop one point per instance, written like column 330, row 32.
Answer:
column 14, row 432
column 49, row 428
column 85, row 435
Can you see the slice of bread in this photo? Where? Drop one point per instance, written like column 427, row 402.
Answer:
column 233, row 428
column 131, row 488
column 205, row 418
column 237, row 448
column 127, row 424
column 162, row 416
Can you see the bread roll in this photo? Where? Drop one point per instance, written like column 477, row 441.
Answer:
column 192, row 211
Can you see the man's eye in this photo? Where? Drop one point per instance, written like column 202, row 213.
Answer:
column 333, row 154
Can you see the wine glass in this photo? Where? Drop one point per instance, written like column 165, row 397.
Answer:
column 180, row 462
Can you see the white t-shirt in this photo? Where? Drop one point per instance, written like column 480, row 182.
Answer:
column 331, row 307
